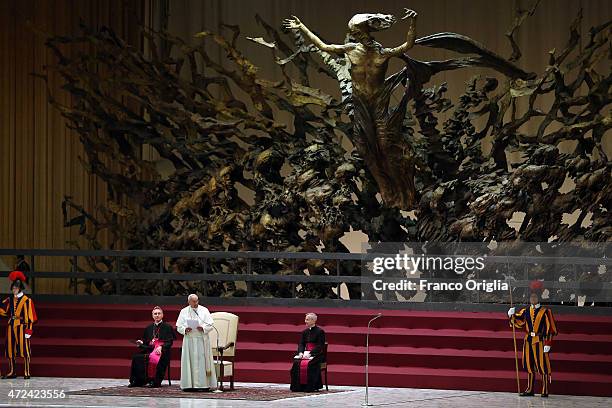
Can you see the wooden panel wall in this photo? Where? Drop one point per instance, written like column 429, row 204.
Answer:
column 38, row 153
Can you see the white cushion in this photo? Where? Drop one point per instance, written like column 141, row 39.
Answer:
column 228, row 368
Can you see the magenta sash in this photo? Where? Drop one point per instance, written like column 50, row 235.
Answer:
column 304, row 364
column 154, row 358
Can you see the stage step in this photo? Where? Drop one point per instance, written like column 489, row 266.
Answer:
column 349, row 317
column 382, row 336
column 338, row 354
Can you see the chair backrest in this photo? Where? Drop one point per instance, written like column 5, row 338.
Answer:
column 227, row 325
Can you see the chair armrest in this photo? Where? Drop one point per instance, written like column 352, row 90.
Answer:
column 223, row 348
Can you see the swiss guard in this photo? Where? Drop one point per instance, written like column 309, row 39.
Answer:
column 539, row 325
column 19, row 309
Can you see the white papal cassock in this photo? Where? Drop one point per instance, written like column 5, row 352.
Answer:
column 197, row 364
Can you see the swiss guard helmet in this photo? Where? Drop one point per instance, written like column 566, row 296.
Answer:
column 17, row 279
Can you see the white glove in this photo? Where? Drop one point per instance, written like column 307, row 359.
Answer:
column 511, row 311
column 27, row 336
column 299, row 355
column 546, row 349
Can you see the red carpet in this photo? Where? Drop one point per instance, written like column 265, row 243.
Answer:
column 174, row 391
column 447, row 350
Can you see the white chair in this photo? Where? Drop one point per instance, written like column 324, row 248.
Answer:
column 225, row 354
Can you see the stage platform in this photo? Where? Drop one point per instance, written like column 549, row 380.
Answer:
column 470, row 351
column 348, row 397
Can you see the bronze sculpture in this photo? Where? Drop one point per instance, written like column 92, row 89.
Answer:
column 367, row 62
column 308, row 191
column 377, row 127
column 368, row 59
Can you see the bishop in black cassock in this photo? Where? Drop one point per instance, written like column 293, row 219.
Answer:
column 157, row 337
column 306, row 370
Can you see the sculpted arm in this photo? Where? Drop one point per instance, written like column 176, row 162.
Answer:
column 294, row 23
column 411, row 16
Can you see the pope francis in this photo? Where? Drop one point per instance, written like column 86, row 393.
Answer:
column 197, row 365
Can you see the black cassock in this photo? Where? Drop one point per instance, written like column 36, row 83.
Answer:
column 306, row 374
column 138, row 375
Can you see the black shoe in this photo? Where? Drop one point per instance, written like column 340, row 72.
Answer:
column 5, row 377
column 132, row 385
column 527, row 394
column 155, row 385
column 544, row 395
column 26, row 377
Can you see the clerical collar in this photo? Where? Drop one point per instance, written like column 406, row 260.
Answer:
column 536, row 306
